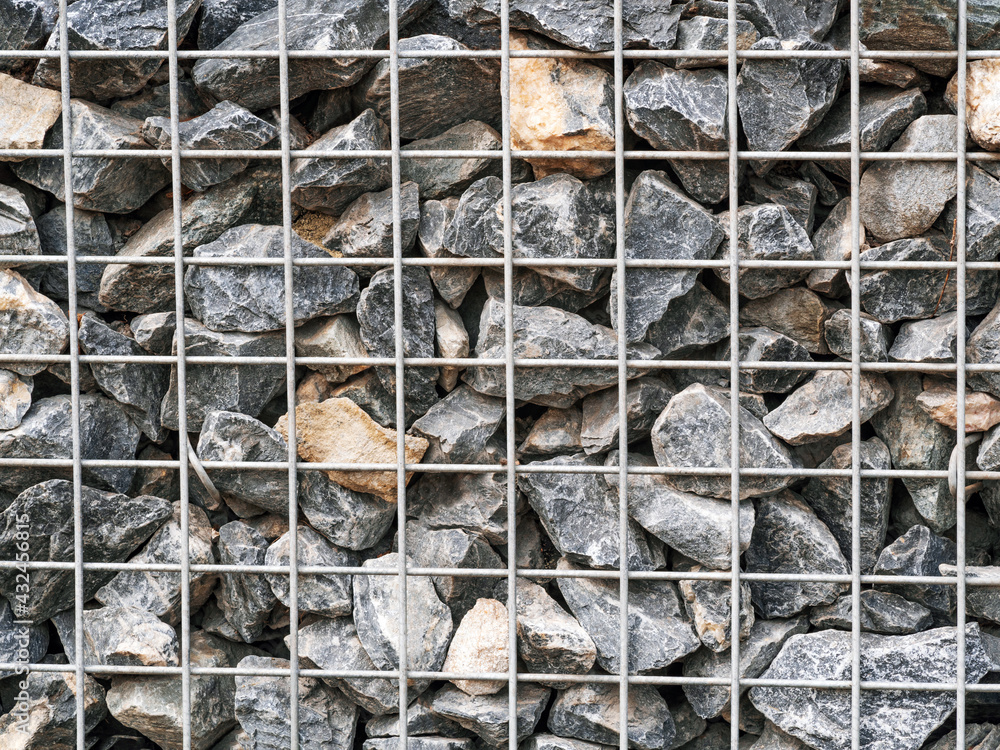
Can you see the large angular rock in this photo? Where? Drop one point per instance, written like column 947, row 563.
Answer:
column 692, row 321
column 18, row 234
column 355, row 520
column 645, row 398
column 364, row 230
column 25, row 26
column 661, row 223
column 220, row 18
column 330, row 185
column 113, row 526
column 788, row 20
column 889, row 718
column 91, row 236
column 238, row 388
column 875, row 336
column 709, row 604
column 245, row 599
column 981, row 103
column 703, row 33
column 761, row 344
column 51, row 710
column 798, row 196
column 592, row 712
column 459, row 426
column 474, row 502
column 420, row 721
column 474, row 230
column 441, row 178
column 549, row 639
column 119, row 636
column 920, row 552
column 940, row 401
column 31, row 323
column 112, row 185
column 788, row 537
column 226, row 126
column 981, row 601
column 480, row 645
column 881, row 612
column 318, row 26
column 337, row 336
column 933, row 340
column 982, row 219
column 797, row 312
column 984, row 348
column 327, row 594
column 488, row 715
column 694, row 431
column 660, row 632
column 681, row 110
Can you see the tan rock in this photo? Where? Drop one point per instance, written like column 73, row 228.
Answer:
column 560, row 105
column 796, row 312
column 312, row 388
column 480, row 645
column 27, row 113
column 940, row 401
column 336, row 336
column 452, row 341
column 339, row 431
column 556, row 431
column 982, row 101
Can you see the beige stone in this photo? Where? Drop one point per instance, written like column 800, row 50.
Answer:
column 560, row 105
column 312, row 388
column 452, row 341
column 940, row 401
column 797, row 312
column 336, row 336
column 480, row 645
column 26, row 114
column 556, row 431
column 982, row 101
column 339, row 431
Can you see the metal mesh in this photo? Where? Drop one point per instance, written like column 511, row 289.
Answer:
column 179, row 262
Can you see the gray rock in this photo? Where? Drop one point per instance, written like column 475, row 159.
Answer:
column 982, row 194
column 24, row 26
column 760, row 344
column 703, row 33
column 976, row 735
column 885, row 112
column 756, row 653
column 355, row 520
column 323, row 26
column 832, row 241
column 980, row 601
column 451, row 282
column 263, row 704
column 592, row 711
column 808, row 89
column 875, row 336
column 692, row 321
column 488, row 715
column 141, row 27
column 788, row 20
column 830, row 498
column 694, row 431
column 51, row 706
column 932, row 340
column 111, row 185
column 331, row 185
column 459, row 426
column 46, row 432
column 474, row 502
column 983, row 347
column 378, row 330
column 119, row 636
column 767, row 232
column 580, row 514
column 251, row 299
column 788, row 537
column 245, row 599
column 337, row 336
column 376, row 615
column 226, row 126
column 91, row 236
column 797, row 196
column 420, row 721
column 18, row 234
column 920, row 552
column 238, row 388
column 364, row 230
column 680, row 110
column 440, row 92
column 916, row 441
column 220, row 18
column 544, row 741
column 560, row 335
column 27, row 643
column 556, row 432
column 881, row 612
column 113, row 526
column 332, row 643
column 475, row 231
column 31, row 322
column 687, row 724
column 661, row 223
column 326, row 594
column 15, row 398
column 419, row 743
column 904, row 198
column 890, row 718
column 709, row 605
column 660, row 632
column 160, row 592
column 549, row 639
column 154, row 101
column 645, row 398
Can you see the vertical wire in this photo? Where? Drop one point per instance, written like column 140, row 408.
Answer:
column 960, row 247
column 74, row 375
column 182, row 443
column 734, row 377
column 286, row 238
column 855, row 95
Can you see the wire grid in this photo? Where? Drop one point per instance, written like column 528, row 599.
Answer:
column 508, row 263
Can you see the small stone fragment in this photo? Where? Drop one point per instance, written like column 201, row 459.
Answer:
column 120, row 636
column 645, row 398
column 940, row 401
column 881, row 612
column 420, row 721
column 549, row 639
column 760, row 344
column 797, row 196
column 487, row 715
column 833, row 241
column 875, row 336
column 459, row 427
column 920, row 552
column 650, row 725
column 555, row 432
column 709, row 604
column 15, row 398
column 245, row 599
column 545, row 741
column 337, row 336
column 452, row 342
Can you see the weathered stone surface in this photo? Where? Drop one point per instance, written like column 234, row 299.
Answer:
column 697, row 527
column 797, row 312
column 487, row 715
column 330, row 185
column 545, row 741
column 549, row 639
column 51, row 709
column 376, row 314
column 251, row 299
column 888, row 717
column 26, row 25
column 560, row 335
column 981, row 601
column 788, row 537
column 916, row 441
column 419, row 743
column 560, row 105
column 319, row 26
column 458, row 427
column 31, row 323
column 756, row 653
column 337, row 336
column 808, row 89
column 694, row 431
column 580, row 515
column 376, row 615
column 364, row 230
column 983, row 347
column 680, row 110
column 439, row 93
column 113, row 526
column 474, row 230
column 881, row 612
column 661, row 223
column 592, row 711
column 833, row 241
column 29, row 112
column 982, row 105
column 766, row 232
column 420, row 721
column 226, row 126
column 555, row 432
column 761, row 344
column 238, row 388
column 904, row 198
column 115, row 186
column 875, row 336
column 263, row 704
column 693, row 320
column 91, row 236
column 452, row 341
column 338, row 431
column 355, row 520
column 709, row 605
column 788, row 20
column 982, row 205
column 660, row 632
column 159, row 592
column 645, row 398
column 932, row 340
column 119, row 636
column 46, row 432
column 326, row 594
column 480, row 645
column 940, row 401
column 705, row 33
column 473, row 502
column 15, row 398
column 920, row 552
column 220, row 18
column 245, row 599
column 797, row 196
column 154, row 101
column 830, row 498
